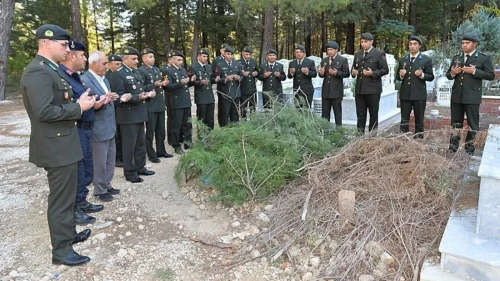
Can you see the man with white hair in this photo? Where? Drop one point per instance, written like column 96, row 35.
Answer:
column 103, row 132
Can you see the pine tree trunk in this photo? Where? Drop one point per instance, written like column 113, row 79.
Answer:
column 76, row 20
column 6, row 19
column 267, row 36
column 111, row 25
column 166, row 26
column 196, row 31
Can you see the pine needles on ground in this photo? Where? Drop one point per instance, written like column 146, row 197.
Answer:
column 254, row 159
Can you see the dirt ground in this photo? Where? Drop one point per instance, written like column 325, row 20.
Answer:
column 154, row 230
column 146, row 233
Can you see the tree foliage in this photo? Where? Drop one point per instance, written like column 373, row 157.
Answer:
column 256, row 158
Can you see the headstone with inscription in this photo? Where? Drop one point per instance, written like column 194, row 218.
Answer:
column 443, row 86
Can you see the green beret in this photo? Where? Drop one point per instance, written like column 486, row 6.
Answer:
column 225, row 45
column 332, row 44
column 367, row 36
column 148, row 51
column 52, row 32
column 272, row 51
column 178, row 54
column 114, row 57
column 470, row 37
column 247, row 49
column 76, row 46
column 415, row 38
column 300, row 47
column 228, row 49
column 203, row 51
column 127, row 50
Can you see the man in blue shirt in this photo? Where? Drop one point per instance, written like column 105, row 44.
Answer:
column 74, row 62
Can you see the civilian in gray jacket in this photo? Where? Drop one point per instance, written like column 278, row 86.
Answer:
column 103, row 132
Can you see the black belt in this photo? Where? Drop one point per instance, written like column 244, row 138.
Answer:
column 85, row 126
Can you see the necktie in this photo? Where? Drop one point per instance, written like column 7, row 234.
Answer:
column 271, row 66
column 229, row 64
column 364, row 56
column 467, row 57
column 300, row 62
column 331, row 61
column 412, row 59
column 204, row 68
column 246, row 62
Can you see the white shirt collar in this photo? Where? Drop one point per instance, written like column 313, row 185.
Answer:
column 99, row 78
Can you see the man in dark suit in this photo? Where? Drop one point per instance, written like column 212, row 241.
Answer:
column 180, row 101
column 74, row 62
column 54, row 141
column 203, row 93
column 413, row 70
column 103, row 132
column 271, row 74
column 248, row 88
column 302, row 70
column 155, row 127
column 369, row 66
column 220, row 110
column 131, row 113
column 229, row 76
column 334, row 68
column 468, row 69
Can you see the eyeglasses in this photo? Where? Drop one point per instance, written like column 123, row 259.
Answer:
column 64, row 44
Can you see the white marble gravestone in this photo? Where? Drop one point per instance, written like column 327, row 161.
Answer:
column 443, row 86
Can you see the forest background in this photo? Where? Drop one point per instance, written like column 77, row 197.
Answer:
column 187, row 25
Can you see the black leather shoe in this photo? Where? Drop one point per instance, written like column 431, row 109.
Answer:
column 81, row 218
column 154, row 160
column 134, row 179
column 179, row 150
column 145, row 172
column 165, row 155
column 88, row 207
column 106, row 197
column 187, row 145
column 82, row 236
column 71, row 259
column 118, row 164
column 113, row 191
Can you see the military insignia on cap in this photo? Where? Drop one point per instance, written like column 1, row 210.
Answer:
column 49, row 33
column 125, row 51
column 73, row 44
column 145, row 51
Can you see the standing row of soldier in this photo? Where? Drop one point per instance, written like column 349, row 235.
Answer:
column 74, row 119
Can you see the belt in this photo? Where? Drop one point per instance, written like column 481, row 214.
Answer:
column 85, row 126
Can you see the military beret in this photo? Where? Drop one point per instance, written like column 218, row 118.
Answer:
column 127, row 50
column 228, row 49
column 76, row 46
column 272, row 51
column 415, row 38
column 367, row 36
column 300, row 47
column 114, row 57
column 332, row 44
column 224, row 45
column 177, row 54
column 203, row 51
column 470, row 37
column 247, row 49
column 52, row 32
column 148, row 51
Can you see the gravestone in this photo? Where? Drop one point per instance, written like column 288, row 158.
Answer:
column 443, row 86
